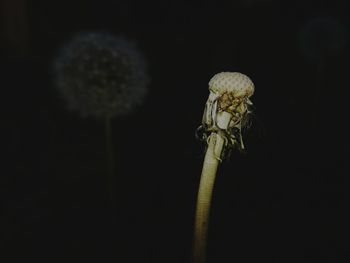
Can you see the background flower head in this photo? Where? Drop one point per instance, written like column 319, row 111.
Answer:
column 100, row 75
column 322, row 37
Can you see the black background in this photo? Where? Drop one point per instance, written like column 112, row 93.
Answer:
column 286, row 200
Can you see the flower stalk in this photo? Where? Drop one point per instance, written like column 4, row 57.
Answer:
column 209, row 170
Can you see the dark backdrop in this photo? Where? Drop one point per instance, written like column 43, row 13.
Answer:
column 283, row 201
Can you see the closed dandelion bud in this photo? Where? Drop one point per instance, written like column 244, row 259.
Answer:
column 228, row 106
column 100, row 75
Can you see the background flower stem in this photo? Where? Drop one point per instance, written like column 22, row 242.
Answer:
column 109, row 158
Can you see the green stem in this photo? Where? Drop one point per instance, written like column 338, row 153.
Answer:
column 210, row 165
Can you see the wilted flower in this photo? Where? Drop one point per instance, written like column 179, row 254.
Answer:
column 100, row 75
column 225, row 108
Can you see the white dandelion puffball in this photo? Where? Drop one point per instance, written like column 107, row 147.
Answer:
column 100, row 75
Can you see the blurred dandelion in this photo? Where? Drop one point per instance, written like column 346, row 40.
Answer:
column 102, row 76
column 322, row 37
column 320, row 40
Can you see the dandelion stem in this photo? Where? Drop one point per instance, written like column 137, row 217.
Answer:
column 210, row 166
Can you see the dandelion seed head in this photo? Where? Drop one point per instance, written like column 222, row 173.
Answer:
column 235, row 83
